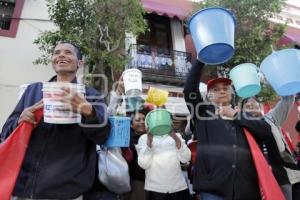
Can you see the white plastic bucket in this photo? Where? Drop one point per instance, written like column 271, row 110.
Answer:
column 55, row 111
column 132, row 82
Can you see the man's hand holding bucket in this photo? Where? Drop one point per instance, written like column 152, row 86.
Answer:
column 78, row 103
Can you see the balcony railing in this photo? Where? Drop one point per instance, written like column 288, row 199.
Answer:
column 160, row 65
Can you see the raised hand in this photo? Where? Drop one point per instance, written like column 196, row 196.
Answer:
column 176, row 139
column 149, row 140
column 228, row 111
column 120, row 86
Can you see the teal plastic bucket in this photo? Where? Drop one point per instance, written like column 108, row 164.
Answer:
column 282, row 71
column 246, row 80
column 159, row 122
column 119, row 135
column 212, row 30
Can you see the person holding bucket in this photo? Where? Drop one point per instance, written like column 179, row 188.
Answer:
column 113, row 178
column 224, row 167
column 137, row 174
column 281, row 158
column 60, row 159
column 160, row 153
column 137, row 112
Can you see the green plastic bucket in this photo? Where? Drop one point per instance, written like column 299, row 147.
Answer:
column 159, row 122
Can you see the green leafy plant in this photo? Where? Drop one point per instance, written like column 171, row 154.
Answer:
column 98, row 27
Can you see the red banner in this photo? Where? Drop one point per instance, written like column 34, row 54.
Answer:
column 269, row 188
column 12, row 152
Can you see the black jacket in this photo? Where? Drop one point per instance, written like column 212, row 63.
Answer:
column 224, row 164
column 60, row 159
column 276, row 162
column 135, row 171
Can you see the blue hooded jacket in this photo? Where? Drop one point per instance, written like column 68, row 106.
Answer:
column 60, row 159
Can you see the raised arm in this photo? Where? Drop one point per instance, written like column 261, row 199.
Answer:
column 258, row 127
column 115, row 97
column 145, row 153
column 183, row 153
column 191, row 91
column 280, row 112
column 191, row 88
column 114, row 101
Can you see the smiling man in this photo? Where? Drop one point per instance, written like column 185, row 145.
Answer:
column 61, row 158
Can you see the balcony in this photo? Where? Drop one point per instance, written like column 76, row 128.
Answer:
column 160, row 65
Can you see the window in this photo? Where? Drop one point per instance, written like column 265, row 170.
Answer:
column 158, row 35
column 10, row 12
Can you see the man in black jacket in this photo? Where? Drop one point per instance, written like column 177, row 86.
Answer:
column 60, row 159
column 224, row 166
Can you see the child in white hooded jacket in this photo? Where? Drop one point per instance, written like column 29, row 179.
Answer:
column 161, row 156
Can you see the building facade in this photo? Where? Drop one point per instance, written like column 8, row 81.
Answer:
column 18, row 51
column 163, row 54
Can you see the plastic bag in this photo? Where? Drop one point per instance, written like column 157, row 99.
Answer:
column 113, row 170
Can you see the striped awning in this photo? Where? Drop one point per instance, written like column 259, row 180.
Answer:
column 171, row 8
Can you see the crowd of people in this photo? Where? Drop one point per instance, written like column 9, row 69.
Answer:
column 61, row 159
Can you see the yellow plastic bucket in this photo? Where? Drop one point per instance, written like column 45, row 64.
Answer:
column 157, row 97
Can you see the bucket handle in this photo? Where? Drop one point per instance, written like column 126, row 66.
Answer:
column 258, row 70
column 260, row 75
column 272, row 48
